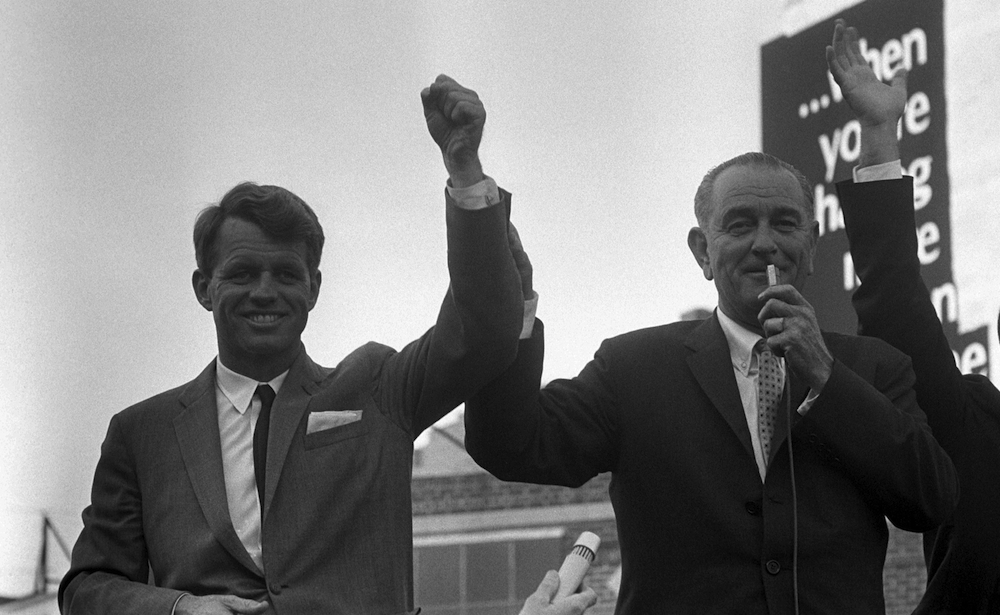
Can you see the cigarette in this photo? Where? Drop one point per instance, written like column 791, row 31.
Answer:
column 772, row 276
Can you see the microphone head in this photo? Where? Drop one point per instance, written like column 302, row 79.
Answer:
column 587, row 544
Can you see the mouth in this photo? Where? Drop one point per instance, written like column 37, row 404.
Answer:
column 263, row 319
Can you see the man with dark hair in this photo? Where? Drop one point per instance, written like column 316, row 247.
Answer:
column 271, row 484
column 963, row 411
column 754, row 458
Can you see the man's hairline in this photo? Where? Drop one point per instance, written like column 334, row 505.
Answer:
column 808, row 208
column 226, row 217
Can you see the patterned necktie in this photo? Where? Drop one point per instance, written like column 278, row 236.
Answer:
column 266, row 395
column 770, row 381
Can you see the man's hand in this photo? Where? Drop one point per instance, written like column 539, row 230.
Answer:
column 521, row 260
column 540, row 602
column 877, row 106
column 792, row 331
column 218, row 605
column 455, row 118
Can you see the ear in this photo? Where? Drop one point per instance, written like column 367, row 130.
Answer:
column 200, row 282
column 699, row 247
column 314, row 283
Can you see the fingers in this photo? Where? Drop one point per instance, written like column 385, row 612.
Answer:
column 458, row 104
column 521, row 261
column 243, row 605
column 836, row 57
column 844, row 52
column 549, row 586
column 773, row 326
column 538, row 602
column 581, row 601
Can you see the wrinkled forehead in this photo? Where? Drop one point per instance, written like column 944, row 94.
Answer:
column 758, row 188
column 244, row 241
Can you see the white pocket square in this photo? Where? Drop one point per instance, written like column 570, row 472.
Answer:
column 319, row 421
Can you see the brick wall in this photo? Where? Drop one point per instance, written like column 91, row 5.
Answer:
column 903, row 576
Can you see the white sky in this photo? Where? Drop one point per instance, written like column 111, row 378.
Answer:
column 123, row 119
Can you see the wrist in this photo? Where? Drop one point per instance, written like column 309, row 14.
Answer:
column 465, row 173
column 879, row 143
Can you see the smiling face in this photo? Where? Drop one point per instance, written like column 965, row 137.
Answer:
column 758, row 217
column 260, row 292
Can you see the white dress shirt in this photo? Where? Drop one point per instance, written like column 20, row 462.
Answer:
column 238, row 409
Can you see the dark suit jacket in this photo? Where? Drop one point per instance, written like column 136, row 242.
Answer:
column 337, row 520
column 963, row 555
column 659, row 408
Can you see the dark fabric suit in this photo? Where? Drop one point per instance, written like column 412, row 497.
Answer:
column 337, row 523
column 963, row 555
column 659, row 408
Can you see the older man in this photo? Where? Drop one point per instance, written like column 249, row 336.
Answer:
column 754, row 458
column 271, row 484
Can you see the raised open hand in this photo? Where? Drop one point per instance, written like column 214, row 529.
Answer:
column 873, row 102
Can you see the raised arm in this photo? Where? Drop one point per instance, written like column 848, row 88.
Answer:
column 892, row 302
column 475, row 336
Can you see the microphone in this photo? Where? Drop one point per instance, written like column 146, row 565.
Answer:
column 576, row 564
column 772, row 276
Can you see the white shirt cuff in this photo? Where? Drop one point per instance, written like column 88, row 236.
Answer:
column 878, row 172
column 808, row 402
column 530, row 307
column 477, row 196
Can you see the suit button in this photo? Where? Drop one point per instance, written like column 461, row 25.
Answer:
column 753, row 508
column 275, row 589
column 773, row 566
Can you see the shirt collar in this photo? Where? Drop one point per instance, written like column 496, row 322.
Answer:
column 741, row 342
column 239, row 389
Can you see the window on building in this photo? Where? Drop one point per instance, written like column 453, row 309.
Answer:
column 487, row 573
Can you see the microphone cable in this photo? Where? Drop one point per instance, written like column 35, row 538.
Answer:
column 787, row 393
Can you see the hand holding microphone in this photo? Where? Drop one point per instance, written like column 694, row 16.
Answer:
column 576, row 564
column 792, row 331
column 556, row 594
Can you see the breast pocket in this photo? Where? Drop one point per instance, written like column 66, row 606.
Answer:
column 325, row 428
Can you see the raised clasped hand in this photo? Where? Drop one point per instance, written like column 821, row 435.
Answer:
column 455, row 118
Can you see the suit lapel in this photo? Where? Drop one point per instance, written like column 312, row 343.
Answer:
column 289, row 407
column 712, row 366
column 197, row 429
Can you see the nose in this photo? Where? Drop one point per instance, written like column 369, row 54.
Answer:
column 764, row 240
column 264, row 291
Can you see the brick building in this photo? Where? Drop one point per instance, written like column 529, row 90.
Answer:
column 482, row 545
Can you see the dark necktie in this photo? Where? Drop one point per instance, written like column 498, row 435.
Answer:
column 266, row 395
column 770, row 381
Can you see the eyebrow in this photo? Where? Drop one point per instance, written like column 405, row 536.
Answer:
column 751, row 211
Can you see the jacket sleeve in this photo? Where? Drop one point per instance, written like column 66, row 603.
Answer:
column 868, row 418
column 894, row 305
column 563, row 434
column 109, row 572
column 476, row 334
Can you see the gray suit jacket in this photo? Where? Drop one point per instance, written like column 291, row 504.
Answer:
column 336, row 529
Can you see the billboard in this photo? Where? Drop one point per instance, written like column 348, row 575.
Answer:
column 807, row 123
